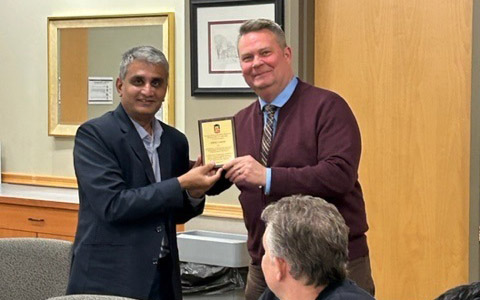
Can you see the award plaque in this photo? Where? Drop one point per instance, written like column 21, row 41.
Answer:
column 217, row 140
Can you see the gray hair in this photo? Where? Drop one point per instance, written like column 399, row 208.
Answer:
column 148, row 54
column 255, row 25
column 311, row 235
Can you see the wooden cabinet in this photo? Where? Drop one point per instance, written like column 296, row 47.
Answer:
column 39, row 218
column 16, row 233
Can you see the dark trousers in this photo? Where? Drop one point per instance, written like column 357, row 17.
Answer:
column 255, row 283
column 162, row 287
column 358, row 270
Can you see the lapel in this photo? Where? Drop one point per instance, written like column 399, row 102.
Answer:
column 165, row 153
column 133, row 139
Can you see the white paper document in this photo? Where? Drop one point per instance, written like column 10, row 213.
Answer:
column 100, row 90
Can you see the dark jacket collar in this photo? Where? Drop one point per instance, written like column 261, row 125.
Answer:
column 132, row 137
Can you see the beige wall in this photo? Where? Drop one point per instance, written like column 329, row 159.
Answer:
column 105, row 53
column 204, row 107
column 26, row 146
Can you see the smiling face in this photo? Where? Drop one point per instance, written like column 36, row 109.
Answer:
column 142, row 90
column 266, row 66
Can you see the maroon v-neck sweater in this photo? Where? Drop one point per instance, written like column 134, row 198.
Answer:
column 315, row 151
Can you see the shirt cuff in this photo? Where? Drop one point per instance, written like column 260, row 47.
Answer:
column 194, row 201
column 268, row 181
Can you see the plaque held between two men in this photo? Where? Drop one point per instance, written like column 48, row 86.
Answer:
column 217, row 140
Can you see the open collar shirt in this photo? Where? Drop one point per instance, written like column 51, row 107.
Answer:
column 279, row 101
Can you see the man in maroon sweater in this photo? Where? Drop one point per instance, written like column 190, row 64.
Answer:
column 315, row 149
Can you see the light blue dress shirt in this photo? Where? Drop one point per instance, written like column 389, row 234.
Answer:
column 151, row 143
column 279, row 101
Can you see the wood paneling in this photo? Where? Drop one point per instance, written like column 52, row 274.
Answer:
column 404, row 66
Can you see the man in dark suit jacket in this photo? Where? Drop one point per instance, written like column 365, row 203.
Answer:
column 134, row 184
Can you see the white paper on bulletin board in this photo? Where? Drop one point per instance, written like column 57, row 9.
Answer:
column 100, row 90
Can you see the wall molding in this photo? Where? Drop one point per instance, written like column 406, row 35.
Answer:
column 50, row 181
column 223, row 211
column 211, row 209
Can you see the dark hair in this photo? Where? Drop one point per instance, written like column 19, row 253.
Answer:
column 311, row 235
column 462, row 292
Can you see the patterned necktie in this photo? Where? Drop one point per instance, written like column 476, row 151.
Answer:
column 267, row 132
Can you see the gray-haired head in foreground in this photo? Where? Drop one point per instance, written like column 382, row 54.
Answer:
column 255, row 25
column 311, row 235
column 463, row 292
column 148, row 54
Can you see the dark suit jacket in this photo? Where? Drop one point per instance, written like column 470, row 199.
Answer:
column 344, row 290
column 122, row 208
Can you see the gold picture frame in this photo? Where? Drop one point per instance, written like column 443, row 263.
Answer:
column 98, row 37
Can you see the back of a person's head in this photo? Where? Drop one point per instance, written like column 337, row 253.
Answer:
column 462, row 292
column 311, row 235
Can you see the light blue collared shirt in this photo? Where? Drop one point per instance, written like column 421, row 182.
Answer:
column 151, row 143
column 279, row 102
